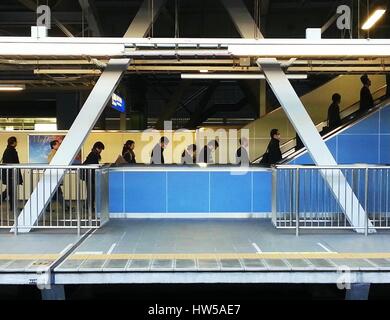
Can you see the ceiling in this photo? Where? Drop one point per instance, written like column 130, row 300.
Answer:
column 180, row 18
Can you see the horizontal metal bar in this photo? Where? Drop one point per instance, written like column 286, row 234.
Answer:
column 189, row 168
column 357, row 166
column 119, row 47
column 46, row 166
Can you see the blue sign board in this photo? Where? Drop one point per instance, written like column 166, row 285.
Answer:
column 118, row 103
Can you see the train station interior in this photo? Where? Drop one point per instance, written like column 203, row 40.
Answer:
column 223, row 144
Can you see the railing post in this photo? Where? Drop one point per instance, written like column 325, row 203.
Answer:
column 14, row 197
column 366, row 202
column 91, row 188
column 297, row 202
column 274, row 189
column 78, row 201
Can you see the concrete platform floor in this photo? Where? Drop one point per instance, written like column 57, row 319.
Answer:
column 139, row 245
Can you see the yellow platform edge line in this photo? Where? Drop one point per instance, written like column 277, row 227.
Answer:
column 182, row 256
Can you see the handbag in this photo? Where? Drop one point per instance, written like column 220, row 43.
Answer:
column 265, row 158
column 120, row 160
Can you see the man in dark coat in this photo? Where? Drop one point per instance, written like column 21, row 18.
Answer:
column 157, row 156
column 205, row 155
column 274, row 153
column 366, row 100
column 10, row 156
column 334, row 112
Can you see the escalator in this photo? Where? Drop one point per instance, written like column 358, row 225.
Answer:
column 293, row 148
column 316, row 103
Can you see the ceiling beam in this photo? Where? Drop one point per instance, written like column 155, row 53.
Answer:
column 30, row 18
column 92, row 17
column 242, row 19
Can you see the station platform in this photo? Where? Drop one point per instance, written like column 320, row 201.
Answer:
column 193, row 251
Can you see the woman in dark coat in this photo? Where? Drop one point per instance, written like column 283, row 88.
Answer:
column 92, row 158
column 128, row 151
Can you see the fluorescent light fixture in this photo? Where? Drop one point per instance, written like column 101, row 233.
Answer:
column 235, row 76
column 68, row 71
column 45, row 127
column 12, row 87
column 9, row 128
column 203, row 71
column 373, row 19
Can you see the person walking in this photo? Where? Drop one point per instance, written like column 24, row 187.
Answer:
column 157, row 156
column 205, row 155
column 273, row 154
column 93, row 157
column 54, row 145
column 334, row 112
column 128, row 151
column 189, row 155
column 366, row 100
column 10, row 156
column 242, row 156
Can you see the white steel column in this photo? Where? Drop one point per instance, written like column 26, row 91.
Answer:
column 242, row 19
column 144, row 18
column 312, row 140
column 86, row 119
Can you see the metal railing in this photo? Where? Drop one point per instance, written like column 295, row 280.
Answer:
column 308, row 197
column 80, row 201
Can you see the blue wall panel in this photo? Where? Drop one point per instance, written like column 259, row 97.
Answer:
column 358, row 149
column 230, row 193
column 116, row 191
column 385, row 148
column 262, row 191
column 188, row 192
column 364, row 142
column 192, row 192
column 366, row 126
column 385, row 121
column 145, row 192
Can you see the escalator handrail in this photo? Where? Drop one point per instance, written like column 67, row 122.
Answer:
column 352, row 119
column 344, row 114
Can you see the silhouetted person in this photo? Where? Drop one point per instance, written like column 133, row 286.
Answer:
column 128, row 151
column 334, row 112
column 10, row 156
column 54, row 145
column 366, row 100
column 273, row 153
column 205, row 155
column 93, row 157
column 242, row 156
column 189, row 155
column 298, row 142
column 157, row 156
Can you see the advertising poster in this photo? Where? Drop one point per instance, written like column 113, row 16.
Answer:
column 39, row 148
